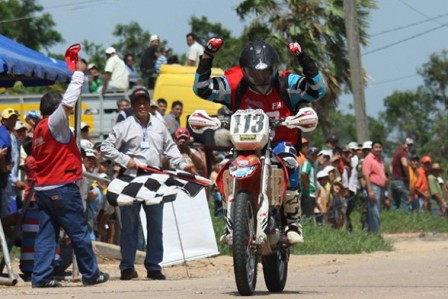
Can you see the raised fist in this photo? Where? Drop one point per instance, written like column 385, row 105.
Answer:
column 294, row 48
column 213, row 45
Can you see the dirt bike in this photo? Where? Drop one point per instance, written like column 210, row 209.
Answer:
column 254, row 182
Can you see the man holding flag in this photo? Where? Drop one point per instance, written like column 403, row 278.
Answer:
column 139, row 141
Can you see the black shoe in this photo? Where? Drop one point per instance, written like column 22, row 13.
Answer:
column 102, row 277
column 48, row 284
column 128, row 274
column 156, row 275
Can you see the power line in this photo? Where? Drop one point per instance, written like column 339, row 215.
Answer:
column 408, row 25
column 75, row 6
column 393, row 80
column 404, row 40
column 416, row 10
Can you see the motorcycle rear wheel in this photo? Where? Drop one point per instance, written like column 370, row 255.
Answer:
column 244, row 256
column 275, row 270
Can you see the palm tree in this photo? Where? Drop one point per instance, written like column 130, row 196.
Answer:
column 319, row 26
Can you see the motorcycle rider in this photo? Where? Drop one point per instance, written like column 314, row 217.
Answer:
column 256, row 84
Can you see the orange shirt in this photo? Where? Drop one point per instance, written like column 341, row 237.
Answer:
column 422, row 181
column 413, row 178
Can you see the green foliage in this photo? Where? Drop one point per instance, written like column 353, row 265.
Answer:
column 393, row 222
column 19, row 22
column 435, row 76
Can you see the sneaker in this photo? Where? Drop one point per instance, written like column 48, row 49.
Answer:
column 102, row 277
column 48, row 284
column 294, row 234
column 156, row 275
column 128, row 274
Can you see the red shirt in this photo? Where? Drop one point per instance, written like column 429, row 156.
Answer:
column 397, row 168
column 373, row 167
column 56, row 163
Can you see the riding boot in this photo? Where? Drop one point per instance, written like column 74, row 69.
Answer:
column 292, row 213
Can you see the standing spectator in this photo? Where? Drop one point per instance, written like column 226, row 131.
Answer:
column 375, row 177
column 422, row 186
column 59, row 167
column 148, row 61
column 162, row 106
column 124, row 110
column 399, row 169
column 194, row 51
column 133, row 75
column 323, row 190
column 95, row 80
column 436, row 192
column 330, row 143
column 303, row 151
column 308, row 179
column 141, row 139
column 413, row 179
column 85, row 131
column 162, row 59
column 190, row 155
column 9, row 119
column 365, row 148
column 172, row 119
column 116, row 76
column 17, row 185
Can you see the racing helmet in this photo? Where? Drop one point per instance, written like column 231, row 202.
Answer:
column 259, row 62
column 49, row 102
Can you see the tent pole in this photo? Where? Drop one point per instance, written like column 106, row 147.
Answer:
column 180, row 240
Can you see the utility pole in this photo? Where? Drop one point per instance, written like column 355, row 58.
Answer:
column 356, row 72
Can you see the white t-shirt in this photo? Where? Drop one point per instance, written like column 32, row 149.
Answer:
column 119, row 74
column 195, row 50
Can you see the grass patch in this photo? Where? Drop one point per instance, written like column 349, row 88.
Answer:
column 321, row 239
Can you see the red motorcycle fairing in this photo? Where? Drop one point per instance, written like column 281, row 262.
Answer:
column 252, row 182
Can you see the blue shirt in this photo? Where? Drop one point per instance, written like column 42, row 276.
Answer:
column 5, row 141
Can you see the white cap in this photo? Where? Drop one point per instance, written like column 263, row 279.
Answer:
column 91, row 65
column 353, row 145
column 325, row 153
column 90, row 152
column 153, row 37
column 321, row 174
column 86, row 144
column 19, row 125
column 83, row 125
column 367, row 145
column 110, row 50
column 328, row 168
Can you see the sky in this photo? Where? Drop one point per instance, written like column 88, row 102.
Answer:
column 403, row 33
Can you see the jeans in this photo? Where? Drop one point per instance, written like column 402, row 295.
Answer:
column 130, row 216
column 62, row 207
column 374, row 210
column 400, row 195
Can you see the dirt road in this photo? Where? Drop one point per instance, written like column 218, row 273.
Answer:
column 417, row 268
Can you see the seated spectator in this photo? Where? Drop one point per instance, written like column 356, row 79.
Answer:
column 116, row 76
column 134, row 78
column 95, row 79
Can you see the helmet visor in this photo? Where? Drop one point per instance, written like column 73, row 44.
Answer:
column 259, row 77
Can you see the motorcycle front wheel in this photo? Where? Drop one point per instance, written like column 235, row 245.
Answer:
column 275, row 270
column 244, row 255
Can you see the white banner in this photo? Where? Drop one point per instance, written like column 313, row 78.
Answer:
column 187, row 229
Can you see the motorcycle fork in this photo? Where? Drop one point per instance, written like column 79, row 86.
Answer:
column 262, row 224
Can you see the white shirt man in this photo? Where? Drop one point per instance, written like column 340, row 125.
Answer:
column 195, row 50
column 116, row 75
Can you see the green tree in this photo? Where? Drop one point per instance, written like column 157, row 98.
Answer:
column 20, row 22
column 435, row 76
column 409, row 113
column 319, row 27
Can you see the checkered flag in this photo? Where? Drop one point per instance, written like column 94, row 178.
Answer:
column 149, row 188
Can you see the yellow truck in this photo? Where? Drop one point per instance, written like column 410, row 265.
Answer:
column 175, row 82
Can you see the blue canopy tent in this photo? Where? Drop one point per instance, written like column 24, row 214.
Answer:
column 19, row 63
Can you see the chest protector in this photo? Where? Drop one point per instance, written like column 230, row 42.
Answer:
column 276, row 104
column 56, row 163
